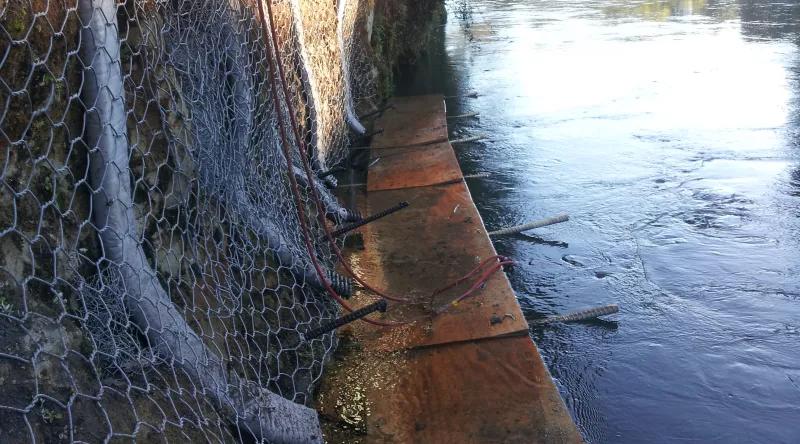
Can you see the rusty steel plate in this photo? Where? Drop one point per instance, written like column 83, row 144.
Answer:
column 412, row 121
column 413, row 150
column 468, row 375
column 436, row 240
column 492, row 391
column 415, row 167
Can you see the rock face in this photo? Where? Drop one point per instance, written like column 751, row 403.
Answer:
column 399, row 31
column 204, row 164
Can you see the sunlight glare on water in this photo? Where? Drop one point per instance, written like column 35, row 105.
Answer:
column 668, row 131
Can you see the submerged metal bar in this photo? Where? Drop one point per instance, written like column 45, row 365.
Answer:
column 463, row 116
column 465, row 177
column 581, row 315
column 538, row 224
column 471, row 95
column 368, row 219
column 346, row 319
column 469, row 139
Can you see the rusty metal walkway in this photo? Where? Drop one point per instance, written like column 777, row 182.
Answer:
column 469, row 375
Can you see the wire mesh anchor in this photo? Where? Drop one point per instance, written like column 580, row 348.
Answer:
column 350, row 227
column 346, row 319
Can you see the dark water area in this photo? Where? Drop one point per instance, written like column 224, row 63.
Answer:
column 668, row 130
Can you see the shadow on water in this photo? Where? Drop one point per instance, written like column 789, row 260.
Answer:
column 668, row 130
column 610, row 326
column 541, row 241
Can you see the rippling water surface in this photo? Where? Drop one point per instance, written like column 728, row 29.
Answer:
column 668, row 130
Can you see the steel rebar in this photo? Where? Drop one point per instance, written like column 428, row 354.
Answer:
column 381, row 214
column 346, row 319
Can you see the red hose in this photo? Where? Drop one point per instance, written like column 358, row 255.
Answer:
column 471, row 291
column 320, row 210
column 502, row 259
column 293, row 181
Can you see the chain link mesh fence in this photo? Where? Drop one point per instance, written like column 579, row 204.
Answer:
column 154, row 281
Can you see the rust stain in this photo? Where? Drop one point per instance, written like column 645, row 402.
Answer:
column 432, row 164
column 428, row 245
column 412, row 121
column 493, row 391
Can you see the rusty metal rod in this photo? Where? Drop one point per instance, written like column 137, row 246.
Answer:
column 346, row 319
column 368, row 219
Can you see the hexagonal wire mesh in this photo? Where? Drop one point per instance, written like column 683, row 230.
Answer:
column 154, row 277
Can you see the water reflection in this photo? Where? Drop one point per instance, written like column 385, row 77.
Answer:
column 770, row 19
column 668, row 131
column 758, row 18
column 656, row 10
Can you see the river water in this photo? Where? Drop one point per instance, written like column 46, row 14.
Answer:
column 668, row 130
